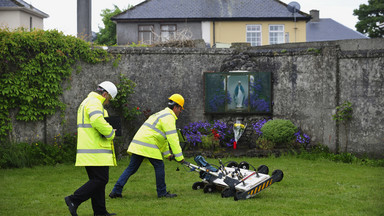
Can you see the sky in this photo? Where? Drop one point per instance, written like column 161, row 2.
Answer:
column 62, row 13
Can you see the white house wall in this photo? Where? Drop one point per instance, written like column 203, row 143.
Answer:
column 10, row 19
column 206, row 31
column 16, row 19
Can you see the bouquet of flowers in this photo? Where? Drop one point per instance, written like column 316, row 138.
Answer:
column 238, row 130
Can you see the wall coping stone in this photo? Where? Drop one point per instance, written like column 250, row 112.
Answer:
column 168, row 50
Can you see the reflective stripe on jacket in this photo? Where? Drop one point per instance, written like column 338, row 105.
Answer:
column 94, row 134
column 152, row 139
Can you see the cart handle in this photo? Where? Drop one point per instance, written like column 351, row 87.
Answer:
column 245, row 178
column 193, row 166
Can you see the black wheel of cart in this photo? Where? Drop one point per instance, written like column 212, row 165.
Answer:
column 277, row 175
column 231, row 164
column 237, row 195
column 227, row 192
column 263, row 169
column 209, row 188
column 198, row 185
column 244, row 165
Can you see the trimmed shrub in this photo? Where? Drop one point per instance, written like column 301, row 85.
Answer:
column 279, row 131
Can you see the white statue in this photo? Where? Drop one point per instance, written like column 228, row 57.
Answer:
column 239, row 95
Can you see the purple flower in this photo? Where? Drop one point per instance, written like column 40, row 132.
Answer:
column 218, row 97
column 302, row 138
column 195, row 130
column 257, row 101
column 218, row 100
column 258, row 125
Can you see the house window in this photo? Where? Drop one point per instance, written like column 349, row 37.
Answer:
column 146, row 34
column 254, row 35
column 276, row 34
column 30, row 24
column 168, row 32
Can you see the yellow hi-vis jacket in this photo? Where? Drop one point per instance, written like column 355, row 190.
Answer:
column 94, row 134
column 152, row 139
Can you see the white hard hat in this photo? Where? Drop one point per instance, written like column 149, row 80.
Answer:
column 109, row 87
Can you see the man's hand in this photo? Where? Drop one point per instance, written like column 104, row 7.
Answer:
column 182, row 161
column 171, row 157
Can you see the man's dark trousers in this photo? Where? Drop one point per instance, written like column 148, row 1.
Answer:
column 94, row 189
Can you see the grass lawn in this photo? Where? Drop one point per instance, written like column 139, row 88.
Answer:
column 317, row 187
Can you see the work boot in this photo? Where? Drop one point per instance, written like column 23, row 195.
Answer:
column 168, row 195
column 115, row 195
column 71, row 206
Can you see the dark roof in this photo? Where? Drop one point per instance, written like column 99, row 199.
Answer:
column 20, row 4
column 328, row 29
column 209, row 10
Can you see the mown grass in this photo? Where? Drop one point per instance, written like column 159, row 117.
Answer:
column 318, row 187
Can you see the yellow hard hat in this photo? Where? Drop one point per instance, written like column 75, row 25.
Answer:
column 177, row 98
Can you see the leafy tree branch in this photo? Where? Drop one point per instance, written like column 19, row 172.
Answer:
column 371, row 18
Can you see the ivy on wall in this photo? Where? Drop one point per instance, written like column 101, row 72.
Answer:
column 33, row 66
column 123, row 98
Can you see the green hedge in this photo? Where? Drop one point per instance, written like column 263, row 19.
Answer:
column 279, row 131
column 18, row 155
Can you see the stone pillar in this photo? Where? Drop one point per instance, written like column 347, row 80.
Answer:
column 84, row 19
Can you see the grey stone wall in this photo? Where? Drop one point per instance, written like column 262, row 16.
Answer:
column 362, row 83
column 309, row 81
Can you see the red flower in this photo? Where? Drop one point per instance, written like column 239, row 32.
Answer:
column 215, row 134
column 137, row 108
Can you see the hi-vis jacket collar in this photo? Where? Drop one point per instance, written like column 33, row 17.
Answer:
column 171, row 111
column 94, row 94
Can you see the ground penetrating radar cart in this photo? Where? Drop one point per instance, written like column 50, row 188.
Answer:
column 233, row 179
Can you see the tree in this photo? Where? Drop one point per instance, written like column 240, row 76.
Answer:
column 107, row 35
column 371, row 18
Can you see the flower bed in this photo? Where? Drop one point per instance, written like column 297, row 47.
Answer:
column 219, row 135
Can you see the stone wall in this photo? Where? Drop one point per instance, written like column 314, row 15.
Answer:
column 309, row 81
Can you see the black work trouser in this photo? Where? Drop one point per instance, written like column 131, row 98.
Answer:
column 94, row 189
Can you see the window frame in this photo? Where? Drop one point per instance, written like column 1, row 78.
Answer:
column 167, row 31
column 30, row 24
column 258, row 42
column 220, row 86
column 151, row 32
column 280, row 39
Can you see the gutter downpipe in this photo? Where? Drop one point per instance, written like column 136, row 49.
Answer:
column 214, row 39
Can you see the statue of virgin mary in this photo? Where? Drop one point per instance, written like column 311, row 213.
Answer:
column 239, row 95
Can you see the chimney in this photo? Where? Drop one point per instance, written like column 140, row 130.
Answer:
column 315, row 14
column 84, row 19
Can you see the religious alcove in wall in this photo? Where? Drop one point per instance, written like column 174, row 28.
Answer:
column 238, row 92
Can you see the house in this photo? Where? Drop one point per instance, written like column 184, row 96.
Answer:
column 17, row 13
column 218, row 22
column 328, row 29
